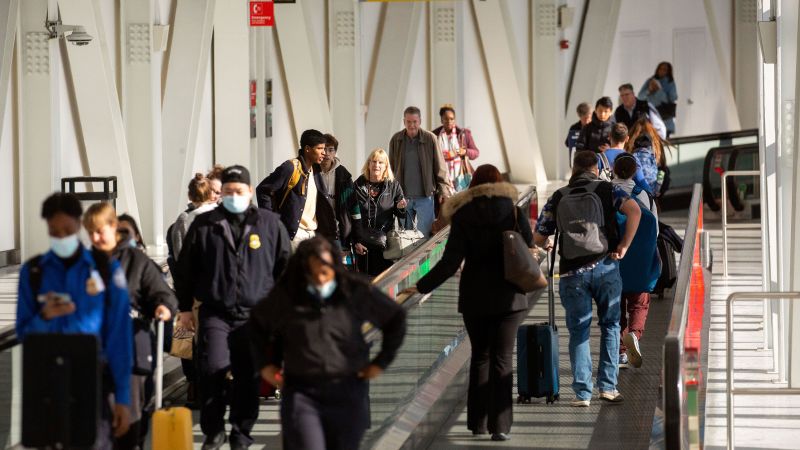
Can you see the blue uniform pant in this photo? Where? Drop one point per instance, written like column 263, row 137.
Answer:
column 325, row 415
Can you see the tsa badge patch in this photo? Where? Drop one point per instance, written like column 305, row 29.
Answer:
column 255, row 242
column 119, row 279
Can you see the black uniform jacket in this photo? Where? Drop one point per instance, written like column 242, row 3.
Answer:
column 146, row 286
column 478, row 218
column 322, row 340
column 269, row 194
column 594, row 134
column 229, row 278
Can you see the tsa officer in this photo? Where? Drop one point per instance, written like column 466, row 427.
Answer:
column 229, row 261
column 72, row 290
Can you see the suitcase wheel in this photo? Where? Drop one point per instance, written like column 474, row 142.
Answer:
column 277, row 394
column 522, row 399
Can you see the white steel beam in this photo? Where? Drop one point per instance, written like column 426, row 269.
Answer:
column 302, row 69
column 446, row 37
column 594, row 51
column 39, row 134
column 98, row 103
column 389, row 86
column 544, row 91
column 186, row 76
column 9, row 14
column 231, row 81
column 726, row 88
column 139, row 112
column 746, row 64
column 513, row 111
column 344, row 48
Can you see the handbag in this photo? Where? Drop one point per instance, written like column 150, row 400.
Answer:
column 519, row 266
column 667, row 110
column 142, row 347
column 373, row 237
column 182, row 340
column 400, row 242
column 464, row 177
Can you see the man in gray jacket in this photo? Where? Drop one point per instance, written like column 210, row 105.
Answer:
column 418, row 164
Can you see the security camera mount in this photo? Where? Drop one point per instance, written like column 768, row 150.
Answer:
column 75, row 34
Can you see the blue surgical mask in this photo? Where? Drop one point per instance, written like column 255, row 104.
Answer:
column 66, row 246
column 324, row 291
column 132, row 243
column 236, row 204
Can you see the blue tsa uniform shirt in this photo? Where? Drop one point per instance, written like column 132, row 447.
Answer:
column 101, row 308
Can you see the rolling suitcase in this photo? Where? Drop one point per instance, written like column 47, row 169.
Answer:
column 537, row 353
column 172, row 427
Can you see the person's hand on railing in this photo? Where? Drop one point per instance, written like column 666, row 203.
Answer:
column 409, row 291
column 370, row 372
column 272, row 375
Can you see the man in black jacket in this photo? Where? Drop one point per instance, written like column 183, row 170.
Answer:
column 594, row 135
column 230, row 260
column 632, row 109
column 287, row 189
column 341, row 194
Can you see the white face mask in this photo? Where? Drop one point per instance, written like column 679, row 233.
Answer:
column 66, row 246
column 323, row 291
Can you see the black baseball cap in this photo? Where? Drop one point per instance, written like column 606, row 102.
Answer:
column 236, row 174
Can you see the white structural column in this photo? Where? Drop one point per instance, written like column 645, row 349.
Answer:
column 38, row 122
column 186, row 76
column 138, row 90
column 746, row 66
column 594, row 51
column 231, row 81
column 98, row 103
column 726, row 89
column 544, row 93
column 302, row 69
column 344, row 65
column 446, row 37
column 513, row 111
column 389, row 86
column 9, row 14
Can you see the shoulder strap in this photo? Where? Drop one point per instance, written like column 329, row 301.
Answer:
column 591, row 186
column 638, row 190
column 35, row 273
column 604, row 159
column 293, row 180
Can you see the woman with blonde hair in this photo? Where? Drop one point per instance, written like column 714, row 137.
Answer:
column 381, row 199
column 151, row 299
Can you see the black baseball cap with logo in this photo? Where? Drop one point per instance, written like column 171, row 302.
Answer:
column 236, row 174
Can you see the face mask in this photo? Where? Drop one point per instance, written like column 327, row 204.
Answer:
column 236, row 204
column 324, row 291
column 65, row 247
column 132, row 243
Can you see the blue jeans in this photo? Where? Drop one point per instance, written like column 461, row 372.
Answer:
column 603, row 284
column 420, row 208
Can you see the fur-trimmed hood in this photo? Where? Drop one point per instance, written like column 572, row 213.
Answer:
column 456, row 202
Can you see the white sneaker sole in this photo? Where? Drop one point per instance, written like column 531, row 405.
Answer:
column 580, row 403
column 632, row 350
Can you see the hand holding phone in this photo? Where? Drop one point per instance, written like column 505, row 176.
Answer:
column 57, row 304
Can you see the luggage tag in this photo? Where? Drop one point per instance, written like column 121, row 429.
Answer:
column 95, row 285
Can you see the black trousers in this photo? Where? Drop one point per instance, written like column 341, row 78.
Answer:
column 324, row 416
column 491, row 382
column 224, row 346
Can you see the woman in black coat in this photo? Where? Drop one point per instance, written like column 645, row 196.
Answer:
column 381, row 199
column 310, row 328
column 492, row 307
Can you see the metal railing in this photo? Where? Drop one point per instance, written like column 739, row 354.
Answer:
column 725, row 224
column 731, row 391
column 683, row 381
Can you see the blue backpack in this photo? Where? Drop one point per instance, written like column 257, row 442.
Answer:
column 641, row 266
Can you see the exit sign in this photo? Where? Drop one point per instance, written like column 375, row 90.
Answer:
column 262, row 14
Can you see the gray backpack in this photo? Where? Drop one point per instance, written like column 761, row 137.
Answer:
column 580, row 219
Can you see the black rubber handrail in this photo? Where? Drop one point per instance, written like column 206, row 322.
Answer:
column 713, row 136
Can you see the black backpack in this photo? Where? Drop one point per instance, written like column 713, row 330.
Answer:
column 668, row 243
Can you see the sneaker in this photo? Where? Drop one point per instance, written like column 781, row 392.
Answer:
column 214, row 442
column 578, row 403
column 501, row 437
column 611, row 396
column 633, row 351
column 623, row 361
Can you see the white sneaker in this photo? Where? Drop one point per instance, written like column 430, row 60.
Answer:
column 623, row 362
column 611, row 396
column 578, row 403
column 633, row 351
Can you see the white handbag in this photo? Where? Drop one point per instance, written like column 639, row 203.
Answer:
column 400, row 242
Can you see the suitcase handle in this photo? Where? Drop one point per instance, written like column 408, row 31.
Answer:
column 159, row 373
column 551, row 296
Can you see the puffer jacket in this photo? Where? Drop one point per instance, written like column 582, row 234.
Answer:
column 594, row 134
column 478, row 218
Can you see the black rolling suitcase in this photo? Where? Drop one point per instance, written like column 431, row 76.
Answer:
column 537, row 352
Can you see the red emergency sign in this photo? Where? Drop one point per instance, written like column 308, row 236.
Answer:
column 262, row 14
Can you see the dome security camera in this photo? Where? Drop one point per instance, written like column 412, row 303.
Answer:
column 79, row 36
column 75, row 34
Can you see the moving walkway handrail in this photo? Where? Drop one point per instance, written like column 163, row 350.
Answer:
column 680, row 348
column 714, row 136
